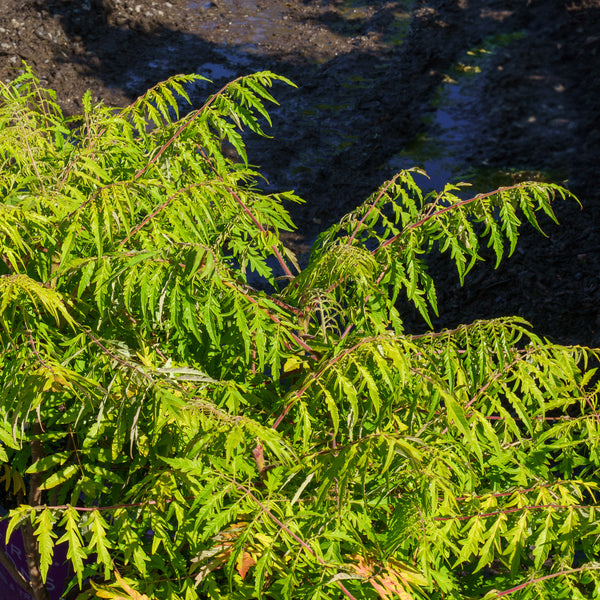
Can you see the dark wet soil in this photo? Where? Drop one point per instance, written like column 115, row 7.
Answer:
column 368, row 76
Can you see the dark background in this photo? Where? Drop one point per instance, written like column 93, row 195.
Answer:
column 368, row 76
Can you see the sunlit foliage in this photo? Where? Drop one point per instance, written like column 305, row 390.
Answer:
column 187, row 435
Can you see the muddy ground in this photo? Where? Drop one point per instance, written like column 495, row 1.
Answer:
column 368, row 76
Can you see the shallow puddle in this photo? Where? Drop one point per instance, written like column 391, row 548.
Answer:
column 442, row 149
column 251, row 25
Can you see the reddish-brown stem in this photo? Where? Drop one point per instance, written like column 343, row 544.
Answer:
column 314, row 377
column 161, row 207
column 514, row 509
column 31, row 157
column 256, row 222
column 298, row 539
column 504, row 494
column 544, row 577
column 35, row 350
column 430, row 215
column 371, row 208
column 114, row 356
column 347, row 331
column 182, row 128
column 94, row 195
column 276, row 320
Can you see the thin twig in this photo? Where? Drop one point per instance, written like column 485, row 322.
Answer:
column 514, row 509
column 382, row 191
column 298, row 539
column 17, row 576
column 315, row 376
column 544, row 577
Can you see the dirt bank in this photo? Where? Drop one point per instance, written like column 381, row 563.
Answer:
column 368, row 74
